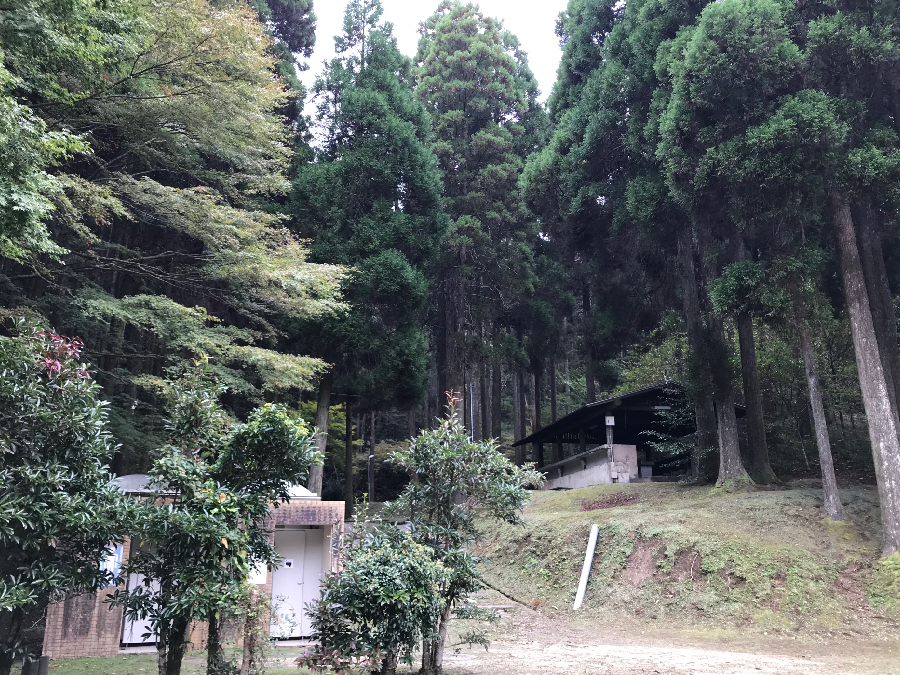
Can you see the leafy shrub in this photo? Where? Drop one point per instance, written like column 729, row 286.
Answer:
column 58, row 514
column 375, row 611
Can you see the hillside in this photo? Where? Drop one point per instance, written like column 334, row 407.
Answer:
column 701, row 559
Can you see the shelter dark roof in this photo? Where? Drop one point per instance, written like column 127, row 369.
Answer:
column 643, row 403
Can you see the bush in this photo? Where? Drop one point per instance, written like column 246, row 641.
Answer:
column 58, row 514
column 378, row 608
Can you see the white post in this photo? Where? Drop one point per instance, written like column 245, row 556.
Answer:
column 586, row 570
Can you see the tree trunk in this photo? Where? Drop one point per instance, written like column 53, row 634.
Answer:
column 730, row 465
column 520, row 405
column 881, row 415
column 215, row 654
column 831, row 507
column 588, row 347
column 703, row 461
column 869, row 251
column 464, row 402
column 433, row 651
column 251, row 633
column 443, row 366
column 389, row 665
column 537, row 420
column 496, row 383
column 348, row 462
column 12, row 630
column 171, row 648
column 515, row 406
column 483, row 400
column 314, row 484
column 881, row 302
column 496, row 401
column 371, row 465
column 758, row 451
column 557, row 447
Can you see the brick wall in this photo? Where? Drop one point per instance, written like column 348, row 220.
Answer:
column 84, row 624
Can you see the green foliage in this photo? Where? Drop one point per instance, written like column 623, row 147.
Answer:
column 244, row 368
column 382, row 603
column 27, row 150
column 371, row 201
column 659, row 357
column 158, row 152
column 290, row 21
column 884, row 588
column 204, row 527
column 58, row 515
column 457, row 480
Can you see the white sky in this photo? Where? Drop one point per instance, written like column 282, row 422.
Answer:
column 533, row 21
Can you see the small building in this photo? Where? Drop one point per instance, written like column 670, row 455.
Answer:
column 305, row 530
column 609, row 441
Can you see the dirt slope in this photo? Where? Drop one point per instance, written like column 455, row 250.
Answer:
column 697, row 558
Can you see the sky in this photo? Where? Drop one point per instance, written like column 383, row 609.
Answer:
column 533, row 21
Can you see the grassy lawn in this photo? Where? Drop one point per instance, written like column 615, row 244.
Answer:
column 145, row 664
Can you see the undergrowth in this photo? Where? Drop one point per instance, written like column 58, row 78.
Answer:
column 884, row 589
column 760, row 557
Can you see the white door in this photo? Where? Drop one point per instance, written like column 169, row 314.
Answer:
column 313, row 567
column 133, row 631
column 287, row 585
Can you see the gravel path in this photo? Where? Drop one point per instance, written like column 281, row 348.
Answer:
column 528, row 642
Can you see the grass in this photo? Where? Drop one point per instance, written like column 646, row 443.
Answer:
column 144, row 664
column 702, row 557
column 884, row 590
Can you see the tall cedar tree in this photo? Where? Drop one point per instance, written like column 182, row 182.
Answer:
column 291, row 25
column 741, row 42
column 601, row 191
column 853, row 57
column 475, row 81
column 371, row 200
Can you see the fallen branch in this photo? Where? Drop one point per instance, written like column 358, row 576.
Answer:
column 507, row 595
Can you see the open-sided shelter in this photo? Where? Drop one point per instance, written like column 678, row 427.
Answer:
column 611, row 440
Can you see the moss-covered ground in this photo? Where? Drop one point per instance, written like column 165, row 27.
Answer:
column 702, row 558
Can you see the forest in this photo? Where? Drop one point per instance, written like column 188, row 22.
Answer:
column 218, row 276
column 709, row 196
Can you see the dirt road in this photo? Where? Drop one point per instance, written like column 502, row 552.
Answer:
column 546, row 642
